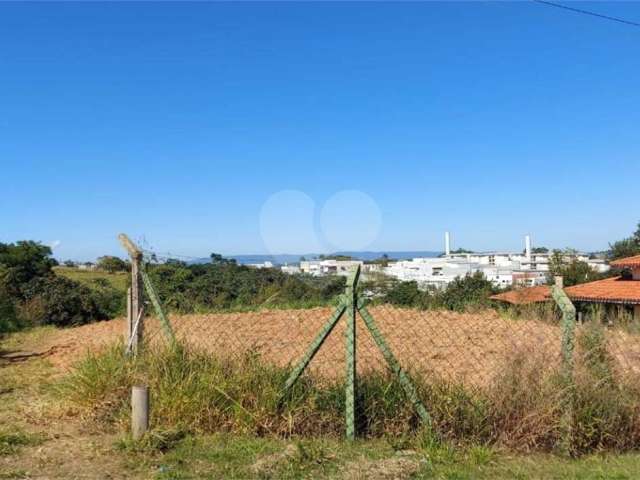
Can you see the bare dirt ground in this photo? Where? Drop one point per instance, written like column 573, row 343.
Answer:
column 55, row 442
column 39, row 437
column 464, row 347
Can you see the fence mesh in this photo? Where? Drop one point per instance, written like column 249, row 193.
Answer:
column 524, row 377
column 471, row 349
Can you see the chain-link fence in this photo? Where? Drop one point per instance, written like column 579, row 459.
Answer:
column 466, row 348
column 515, row 372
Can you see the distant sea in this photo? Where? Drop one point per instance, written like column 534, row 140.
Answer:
column 290, row 258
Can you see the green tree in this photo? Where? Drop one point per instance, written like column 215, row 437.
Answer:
column 472, row 290
column 217, row 259
column 20, row 263
column 573, row 271
column 627, row 247
column 461, row 250
column 8, row 315
column 404, row 293
column 540, row 250
column 112, row 264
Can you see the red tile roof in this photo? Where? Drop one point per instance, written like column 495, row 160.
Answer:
column 610, row 290
column 523, row 296
column 630, row 262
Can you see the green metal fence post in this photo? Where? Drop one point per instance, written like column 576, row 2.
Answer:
column 350, row 351
column 568, row 345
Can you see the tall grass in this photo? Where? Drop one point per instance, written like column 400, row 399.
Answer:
column 522, row 409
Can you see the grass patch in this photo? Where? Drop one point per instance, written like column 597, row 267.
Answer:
column 522, row 410
column 246, row 457
column 12, row 440
column 118, row 280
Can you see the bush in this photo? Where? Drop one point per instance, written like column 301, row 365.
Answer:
column 406, row 294
column 226, row 285
column 8, row 315
column 469, row 291
column 62, row 302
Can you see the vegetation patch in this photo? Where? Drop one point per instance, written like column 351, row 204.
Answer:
column 12, row 440
column 522, row 409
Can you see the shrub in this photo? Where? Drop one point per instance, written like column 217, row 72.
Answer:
column 404, row 293
column 226, row 285
column 8, row 314
column 469, row 291
column 63, row 302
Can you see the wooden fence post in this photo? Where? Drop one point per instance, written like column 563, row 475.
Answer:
column 135, row 298
column 130, row 319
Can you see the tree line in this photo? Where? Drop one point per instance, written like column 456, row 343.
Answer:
column 32, row 294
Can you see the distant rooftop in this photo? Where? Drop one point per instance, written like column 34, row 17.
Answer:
column 629, row 262
column 609, row 290
column 523, row 296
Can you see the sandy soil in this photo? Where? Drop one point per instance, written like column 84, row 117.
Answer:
column 464, row 347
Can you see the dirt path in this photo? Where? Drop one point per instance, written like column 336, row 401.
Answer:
column 39, row 438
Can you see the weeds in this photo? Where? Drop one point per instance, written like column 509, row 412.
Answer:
column 11, row 441
column 522, row 409
column 152, row 442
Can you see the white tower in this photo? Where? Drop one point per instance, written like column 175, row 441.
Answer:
column 447, row 243
column 527, row 246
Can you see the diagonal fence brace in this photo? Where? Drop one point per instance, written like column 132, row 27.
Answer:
column 350, row 304
column 314, row 347
column 155, row 301
column 394, row 365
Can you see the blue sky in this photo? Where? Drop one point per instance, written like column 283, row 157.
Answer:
column 181, row 123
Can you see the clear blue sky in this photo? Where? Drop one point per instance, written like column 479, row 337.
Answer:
column 177, row 122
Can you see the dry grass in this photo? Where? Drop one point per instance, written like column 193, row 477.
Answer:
column 468, row 348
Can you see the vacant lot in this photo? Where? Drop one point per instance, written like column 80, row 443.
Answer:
column 466, row 348
column 43, row 437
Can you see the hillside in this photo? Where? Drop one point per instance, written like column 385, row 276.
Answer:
column 118, row 280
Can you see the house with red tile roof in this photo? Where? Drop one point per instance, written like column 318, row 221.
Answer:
column 524, row 296
column 623, row 290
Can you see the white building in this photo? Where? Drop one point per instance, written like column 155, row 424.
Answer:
column 266, row 264
column 329, row 267
column 502, row 268
column 290, row 269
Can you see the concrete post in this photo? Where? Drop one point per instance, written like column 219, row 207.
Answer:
column 139, row 411
column 559, row 281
